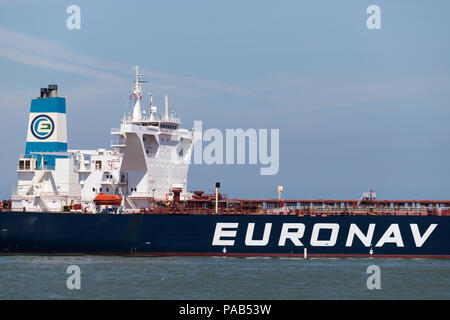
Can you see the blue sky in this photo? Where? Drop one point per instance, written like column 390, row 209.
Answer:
column 356, row 108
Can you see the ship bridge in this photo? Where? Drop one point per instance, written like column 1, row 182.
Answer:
column 155, row 150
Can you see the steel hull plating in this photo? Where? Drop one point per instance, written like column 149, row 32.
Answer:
column 225, row 235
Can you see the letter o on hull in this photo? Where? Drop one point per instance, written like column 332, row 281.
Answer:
column 315, row 242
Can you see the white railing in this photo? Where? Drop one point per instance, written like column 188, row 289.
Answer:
column 118, row 143
column 173, row 117
column 28, row 156
column 38, row 168
column 45, row 168
column 139, row 194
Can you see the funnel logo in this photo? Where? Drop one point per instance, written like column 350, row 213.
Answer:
column 42, row 127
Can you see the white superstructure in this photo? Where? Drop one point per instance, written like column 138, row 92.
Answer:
column 150, row 159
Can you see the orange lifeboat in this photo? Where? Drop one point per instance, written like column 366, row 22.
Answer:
column 107, row 199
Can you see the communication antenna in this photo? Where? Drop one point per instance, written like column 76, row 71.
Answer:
column 137, row 93
column 138, row 75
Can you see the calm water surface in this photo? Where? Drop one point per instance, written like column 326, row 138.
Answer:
column 44, row 277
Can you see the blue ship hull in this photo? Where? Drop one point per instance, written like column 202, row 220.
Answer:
column 225, row 235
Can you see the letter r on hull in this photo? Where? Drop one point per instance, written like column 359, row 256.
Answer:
column 294, row 236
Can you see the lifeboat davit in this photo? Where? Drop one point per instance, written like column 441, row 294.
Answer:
column 107, row 199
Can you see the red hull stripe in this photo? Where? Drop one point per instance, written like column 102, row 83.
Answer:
column 212, row 254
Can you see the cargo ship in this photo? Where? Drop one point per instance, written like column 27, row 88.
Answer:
column 133, row 199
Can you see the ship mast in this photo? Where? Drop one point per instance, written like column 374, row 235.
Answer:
column 137, row 94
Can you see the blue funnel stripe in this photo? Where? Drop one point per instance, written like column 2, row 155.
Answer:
column 56, row 104
column 49, row 159
column 45, row 147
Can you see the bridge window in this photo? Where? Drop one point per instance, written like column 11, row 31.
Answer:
column 25, row 164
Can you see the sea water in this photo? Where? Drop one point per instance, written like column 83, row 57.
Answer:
column 127, row 277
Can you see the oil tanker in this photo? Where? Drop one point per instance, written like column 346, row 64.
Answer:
column 133, row 199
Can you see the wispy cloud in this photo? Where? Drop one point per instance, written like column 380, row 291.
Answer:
column 293, row 91
column 334, row 90
column 35, row 51
column 48, row 63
